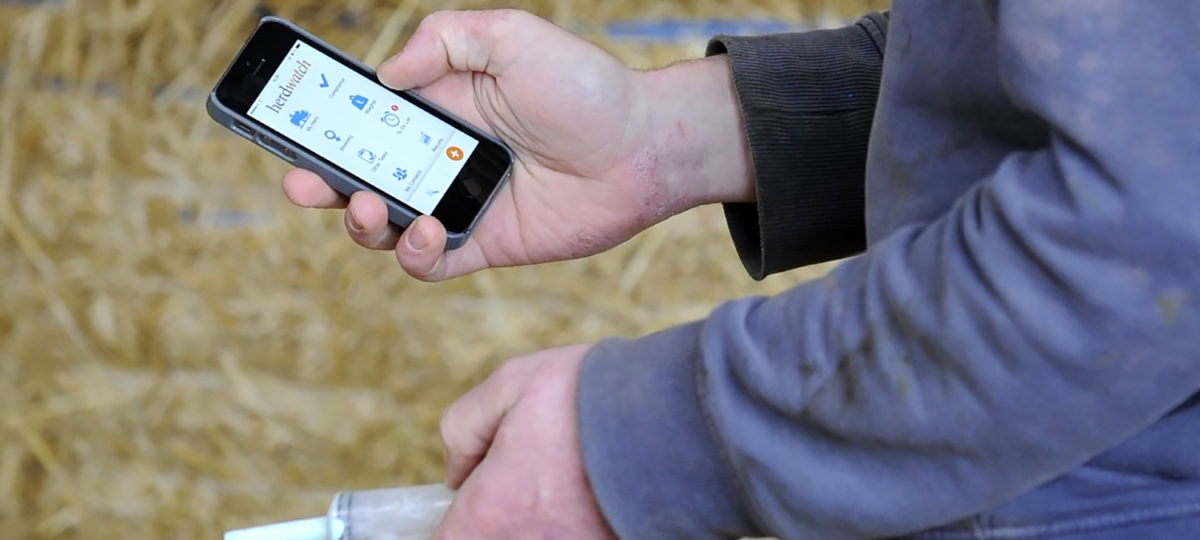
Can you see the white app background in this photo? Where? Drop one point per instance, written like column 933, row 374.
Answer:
column 363, row 128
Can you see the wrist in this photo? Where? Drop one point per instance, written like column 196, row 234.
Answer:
column 695, row 149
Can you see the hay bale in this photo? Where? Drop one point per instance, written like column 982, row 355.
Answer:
column 183, row 352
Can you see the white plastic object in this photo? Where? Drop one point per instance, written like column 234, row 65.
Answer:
column 406, row 513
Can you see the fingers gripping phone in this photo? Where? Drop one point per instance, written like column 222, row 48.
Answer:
column 321, row 110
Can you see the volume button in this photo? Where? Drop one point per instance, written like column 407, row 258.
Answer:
column 276, row 148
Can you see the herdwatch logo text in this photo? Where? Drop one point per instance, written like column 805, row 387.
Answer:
column 286, row 90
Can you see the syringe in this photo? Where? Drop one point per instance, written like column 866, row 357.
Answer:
column 407, row 513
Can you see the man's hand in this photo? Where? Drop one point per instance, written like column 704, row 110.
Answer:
column 602, row 151
column 512, row 450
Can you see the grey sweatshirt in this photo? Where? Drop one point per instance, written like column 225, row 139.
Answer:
column 1018, row 336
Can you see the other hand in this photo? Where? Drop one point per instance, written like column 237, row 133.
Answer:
column 513, row 453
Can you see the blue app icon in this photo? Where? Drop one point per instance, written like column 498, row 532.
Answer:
column 324, row 81
column 400, row 174
column 425, row 138
column 299, row 118
column 358, row 101
column 366, row 155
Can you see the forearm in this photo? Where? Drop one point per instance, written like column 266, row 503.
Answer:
column 697, row 150
column 776, row 128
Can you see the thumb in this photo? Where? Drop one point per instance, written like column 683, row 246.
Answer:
column 446, row 41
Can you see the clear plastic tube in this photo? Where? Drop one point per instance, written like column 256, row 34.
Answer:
column 407, row 513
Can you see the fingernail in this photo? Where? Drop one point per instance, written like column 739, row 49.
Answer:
column 417, row 241
column 354, row 224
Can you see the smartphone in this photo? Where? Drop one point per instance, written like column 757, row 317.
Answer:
column 321, row 110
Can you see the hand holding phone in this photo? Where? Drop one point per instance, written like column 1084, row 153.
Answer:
column 593, row 143
column 565, row 107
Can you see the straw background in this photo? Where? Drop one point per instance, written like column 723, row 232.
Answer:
column 182, row 352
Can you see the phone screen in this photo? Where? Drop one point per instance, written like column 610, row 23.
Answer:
column 362, row 127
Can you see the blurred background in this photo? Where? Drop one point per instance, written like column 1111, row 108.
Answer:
column 182, row 352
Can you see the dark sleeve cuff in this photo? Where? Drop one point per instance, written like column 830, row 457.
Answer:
column 647, row 446
column 808, row 101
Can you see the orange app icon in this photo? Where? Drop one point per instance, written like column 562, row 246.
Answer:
column 454, row 153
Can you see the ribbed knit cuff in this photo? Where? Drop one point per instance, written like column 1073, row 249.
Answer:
column 808, row 101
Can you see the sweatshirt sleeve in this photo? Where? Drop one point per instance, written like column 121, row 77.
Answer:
column 1048, row 315
column 807, row 102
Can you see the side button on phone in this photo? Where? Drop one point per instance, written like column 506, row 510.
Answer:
column 276, row 148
